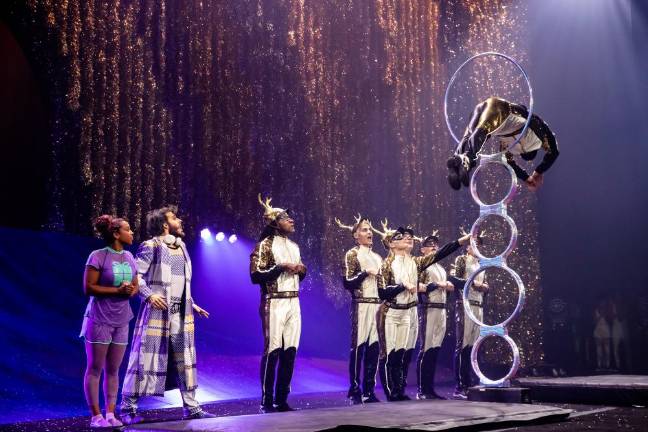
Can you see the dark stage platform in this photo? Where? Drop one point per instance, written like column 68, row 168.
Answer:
column 419, row 415
column 622, row 390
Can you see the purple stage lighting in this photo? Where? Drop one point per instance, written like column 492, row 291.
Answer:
column 205, row 234
column 220, row 236
column 233, row 238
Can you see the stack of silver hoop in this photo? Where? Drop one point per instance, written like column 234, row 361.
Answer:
column 499, row 261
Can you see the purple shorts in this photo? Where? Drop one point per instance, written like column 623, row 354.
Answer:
column 94, row 332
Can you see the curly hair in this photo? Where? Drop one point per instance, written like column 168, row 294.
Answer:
column 106, row 226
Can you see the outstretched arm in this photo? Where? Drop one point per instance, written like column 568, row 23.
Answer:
column 549, row 145
column 519, row 171
column 447, row 249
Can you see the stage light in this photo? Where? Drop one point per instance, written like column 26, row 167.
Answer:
column 220, row 236
column 233, row 238
column 205, row 234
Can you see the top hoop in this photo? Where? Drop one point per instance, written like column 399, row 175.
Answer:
column 454, row 77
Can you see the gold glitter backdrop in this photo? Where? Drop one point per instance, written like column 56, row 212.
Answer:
column 330, row 107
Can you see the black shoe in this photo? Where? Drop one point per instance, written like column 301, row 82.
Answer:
column 460, row 394
column 437, row 396
column 371, row 398
column 464, row 170
column 131, row 418
column 453, row 172
column 355, row 399
column 284, row 407
column 266, row 409
column 429, row 396
column 198, row 415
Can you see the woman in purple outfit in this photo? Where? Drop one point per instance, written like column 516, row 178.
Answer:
column 110, row 280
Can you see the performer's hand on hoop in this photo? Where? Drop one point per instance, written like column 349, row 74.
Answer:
column 534, row 181
column 464, row 240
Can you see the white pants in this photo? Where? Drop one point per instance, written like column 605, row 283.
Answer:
column 281, row 318
column 433, row 327
column 412, row 334
column 393, row 329
column 363, row 323
column 471, row 330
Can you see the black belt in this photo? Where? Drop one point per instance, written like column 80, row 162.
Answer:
column 281, row 294
column 366, row 300
column 393, row 305
column 470, row 302
column 433, row 305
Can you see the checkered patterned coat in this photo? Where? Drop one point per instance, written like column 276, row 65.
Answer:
column 148, row 362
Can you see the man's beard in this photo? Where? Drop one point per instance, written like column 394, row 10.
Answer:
column 175, row 232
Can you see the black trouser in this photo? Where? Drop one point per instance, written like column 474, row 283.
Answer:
column 407, row 358
column 425, row 370
column 282, row 363
column 368, row 355
column 391, row 374
column 462, row 366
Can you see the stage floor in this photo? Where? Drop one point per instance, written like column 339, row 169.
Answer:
column 598, row 381
column 419, row 415
column 595, row 389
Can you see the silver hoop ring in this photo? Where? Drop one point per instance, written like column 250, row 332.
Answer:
column 504, row 381
column 497, row 160
column 454, row 77
column 518, row 306
column 474, row 233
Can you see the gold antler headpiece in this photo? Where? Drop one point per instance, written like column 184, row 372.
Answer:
column 270, row 214
column 434, row 236
column 358, row 220
column 386, row 234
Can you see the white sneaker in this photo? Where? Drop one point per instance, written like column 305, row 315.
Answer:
column 114, row 421
column 99, row 421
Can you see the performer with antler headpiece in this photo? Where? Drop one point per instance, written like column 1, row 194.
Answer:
column 363, row 280
column 433, row 286
column 400, row 272
column 467, row 331
column 276, row 266
column 412, row 334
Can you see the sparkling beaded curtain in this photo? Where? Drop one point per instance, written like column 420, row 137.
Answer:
column 330, row 107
